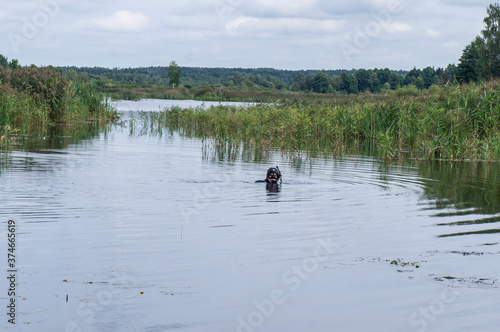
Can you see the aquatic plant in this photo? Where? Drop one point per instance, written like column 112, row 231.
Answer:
column 453, row 122
column 34, row 99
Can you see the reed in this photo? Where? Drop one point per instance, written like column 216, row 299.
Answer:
column 453, row 122
column 34, row 99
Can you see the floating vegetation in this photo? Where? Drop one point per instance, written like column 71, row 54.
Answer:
column 469, row 282
column 396, row 262
column 465, row 253
column 399, row 262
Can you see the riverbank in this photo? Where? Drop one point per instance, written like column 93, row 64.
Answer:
column 217, row 94
column 453, row 123
column 33, row 99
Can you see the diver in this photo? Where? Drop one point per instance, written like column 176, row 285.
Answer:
column 273, row 175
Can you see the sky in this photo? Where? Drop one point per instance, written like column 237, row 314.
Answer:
column 281, row 34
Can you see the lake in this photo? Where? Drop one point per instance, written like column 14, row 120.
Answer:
column 121, row 230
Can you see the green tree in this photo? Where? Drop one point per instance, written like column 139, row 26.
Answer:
column 384, row 75
column 352, row 84
column 449, row 73
column 309, row 82
column 429, row 77
column 491, row 35
column 413, row 76
column 298, row 82
column 374, row 81
column 343, row 81
column 337, row 84
column 321, row 82
column 3, row 61
column 363, row 77
column 481, row 58
column 237, row 78
column 468, row 68
column 395, row 80
column 174, row 73
column 14, row 64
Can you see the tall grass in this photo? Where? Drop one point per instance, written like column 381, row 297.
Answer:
column 34, row 99
column 453, row 122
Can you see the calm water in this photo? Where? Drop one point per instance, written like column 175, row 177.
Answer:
column 149, row 232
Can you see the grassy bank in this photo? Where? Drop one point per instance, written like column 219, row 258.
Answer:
column 454, row 122
column 215, row 94
column 32, row 100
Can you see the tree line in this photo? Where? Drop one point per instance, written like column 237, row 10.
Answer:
column 251, row 79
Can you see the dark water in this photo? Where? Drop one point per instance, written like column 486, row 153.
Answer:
column 148, row 232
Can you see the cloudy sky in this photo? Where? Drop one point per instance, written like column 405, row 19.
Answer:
column 283, row 34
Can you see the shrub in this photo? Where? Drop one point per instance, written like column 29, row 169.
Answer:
column 44, row 85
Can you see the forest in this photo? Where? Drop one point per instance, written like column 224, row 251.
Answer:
column 267, row 79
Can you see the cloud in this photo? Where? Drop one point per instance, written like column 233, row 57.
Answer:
column 432, row 33
column 283, row 26
column 279, row 8
column 281, row 33
column 394, row 27
column 241, row 21
column 122, row 21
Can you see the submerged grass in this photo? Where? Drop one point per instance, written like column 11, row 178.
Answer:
column 32, row 100
column 453, row 122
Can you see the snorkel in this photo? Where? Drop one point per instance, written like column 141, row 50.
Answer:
column 279, row 174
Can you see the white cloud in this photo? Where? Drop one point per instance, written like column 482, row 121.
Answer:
column 234, row 25
column 432, row 33
column 283, row 26
column 394, row 27
column 278, row 8
column 122, row 21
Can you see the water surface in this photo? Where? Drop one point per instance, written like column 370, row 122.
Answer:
column 148, row 232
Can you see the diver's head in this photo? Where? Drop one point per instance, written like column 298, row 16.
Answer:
column 273, row 175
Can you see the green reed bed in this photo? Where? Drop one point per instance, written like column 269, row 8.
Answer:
column 454, row 122
column 32, row 100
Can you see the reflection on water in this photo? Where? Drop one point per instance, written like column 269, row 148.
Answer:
column 463, row 185
column 143, row 229
column 59, row 137
column 467, row 194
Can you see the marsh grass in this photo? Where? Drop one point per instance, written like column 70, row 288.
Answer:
column 224, row 94
column 32, row 100
column 452, row 122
